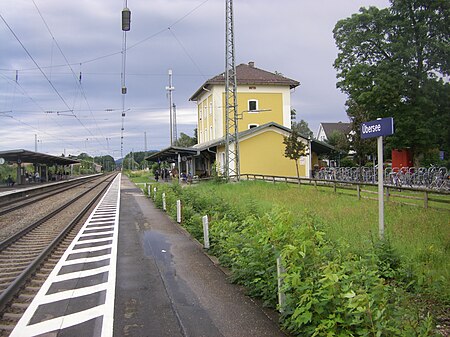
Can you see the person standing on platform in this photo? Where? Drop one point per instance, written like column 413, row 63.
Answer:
column 10, row 182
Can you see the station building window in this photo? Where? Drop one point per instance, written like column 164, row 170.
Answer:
column 253, row 105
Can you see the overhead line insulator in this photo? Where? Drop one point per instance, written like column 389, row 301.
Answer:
column 126, row 19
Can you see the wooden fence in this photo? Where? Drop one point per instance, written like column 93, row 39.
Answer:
column 423, row 197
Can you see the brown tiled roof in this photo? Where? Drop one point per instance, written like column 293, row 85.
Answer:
column 248, row 74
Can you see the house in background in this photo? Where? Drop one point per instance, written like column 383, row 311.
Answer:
column 327, row 129
column 264, row 106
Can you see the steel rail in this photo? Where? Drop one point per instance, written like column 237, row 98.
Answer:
column 13, row 238
column 41, row 196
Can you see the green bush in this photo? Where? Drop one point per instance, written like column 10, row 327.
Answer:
column 347, row 162
column 329, row 290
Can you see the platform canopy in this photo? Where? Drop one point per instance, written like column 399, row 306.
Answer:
column 25, row 156
column 171, row 154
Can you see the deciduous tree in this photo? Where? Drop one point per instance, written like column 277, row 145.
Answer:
column 295, row 148
column 185, row 141
column 302, row 127
column 394, row 62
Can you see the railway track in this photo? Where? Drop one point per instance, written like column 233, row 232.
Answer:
column 11, row 205
column 28, row 256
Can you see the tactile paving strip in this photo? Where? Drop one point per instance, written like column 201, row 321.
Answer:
column 78, row 296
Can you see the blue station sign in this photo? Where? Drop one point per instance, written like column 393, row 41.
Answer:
column 377, row 128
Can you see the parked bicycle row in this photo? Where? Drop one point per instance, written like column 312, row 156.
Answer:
column 433, row 177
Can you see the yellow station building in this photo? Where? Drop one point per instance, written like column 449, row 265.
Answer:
column 264, row 107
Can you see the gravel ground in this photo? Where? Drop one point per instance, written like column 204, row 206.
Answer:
column 15, row 221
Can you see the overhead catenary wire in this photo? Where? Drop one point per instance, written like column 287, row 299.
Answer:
column 97, row 58
column 34, row 61
column 42, row 72
column 186, row 52
column 71, row 106
column 25, row 93
column 76, row 78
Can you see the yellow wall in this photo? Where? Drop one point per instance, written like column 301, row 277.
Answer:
column 272, row 102
column 205, row 119
column 264, row 154
column 314, row 159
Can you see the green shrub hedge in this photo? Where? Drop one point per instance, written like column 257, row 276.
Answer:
column 328, row 291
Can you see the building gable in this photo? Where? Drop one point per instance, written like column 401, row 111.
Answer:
column 327, row 129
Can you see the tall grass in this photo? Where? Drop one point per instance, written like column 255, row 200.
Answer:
column 419, row 237
column 340, row 279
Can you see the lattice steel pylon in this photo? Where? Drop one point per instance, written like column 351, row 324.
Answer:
column 232, row 166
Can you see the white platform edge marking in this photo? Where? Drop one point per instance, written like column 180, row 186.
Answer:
column 74, row 293
column 87, row 259
column 94, row 241
column 92, row 249
column 62, row 322
column 79, row 274
column 106, row 310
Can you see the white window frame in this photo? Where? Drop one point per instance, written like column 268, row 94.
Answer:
column 257, row 106
column 252, row 125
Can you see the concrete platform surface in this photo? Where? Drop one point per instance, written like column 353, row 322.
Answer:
column 167, row 286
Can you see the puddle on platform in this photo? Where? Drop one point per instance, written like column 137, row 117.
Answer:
column 156, row 246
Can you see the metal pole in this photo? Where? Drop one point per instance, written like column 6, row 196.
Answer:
column 179, row 211
column 281, row 294
column 169, row 89
column 231, row 108
column 174, row 121
column 380, row 188
column 205, row 231
column 145, row 148
column 179, row 167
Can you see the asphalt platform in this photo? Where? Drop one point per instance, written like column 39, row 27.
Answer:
column 167, row 286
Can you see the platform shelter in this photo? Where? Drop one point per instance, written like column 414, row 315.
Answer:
column 41, row 162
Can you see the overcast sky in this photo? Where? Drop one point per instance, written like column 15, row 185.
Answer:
column 45, row 44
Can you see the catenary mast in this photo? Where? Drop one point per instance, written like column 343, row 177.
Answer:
column 232, row 166
column 126, row 25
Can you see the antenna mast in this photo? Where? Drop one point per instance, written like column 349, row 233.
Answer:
column 169, row 89
column 232, row 167
column 175, row 130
